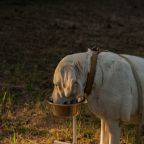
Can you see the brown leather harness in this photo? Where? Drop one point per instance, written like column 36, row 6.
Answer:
column 91, row 74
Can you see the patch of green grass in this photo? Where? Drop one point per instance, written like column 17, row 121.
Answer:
column 6, row 103
column 13, row 138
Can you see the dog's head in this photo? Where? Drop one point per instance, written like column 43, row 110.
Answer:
column 68, row 87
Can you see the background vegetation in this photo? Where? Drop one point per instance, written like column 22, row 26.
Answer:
column 34, row 36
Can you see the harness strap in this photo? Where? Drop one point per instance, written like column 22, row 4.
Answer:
column 91, row 74
column 139, row 88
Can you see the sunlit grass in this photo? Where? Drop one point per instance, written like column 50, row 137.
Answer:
column 13, row 138
column 33, row 125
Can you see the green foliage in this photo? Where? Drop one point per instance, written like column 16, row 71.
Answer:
column 13, row 138
column 6, row 102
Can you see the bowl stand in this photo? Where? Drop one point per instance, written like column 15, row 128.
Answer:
column 74, row 134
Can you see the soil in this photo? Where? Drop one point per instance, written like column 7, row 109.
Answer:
column 35, row 35
column 51, row 25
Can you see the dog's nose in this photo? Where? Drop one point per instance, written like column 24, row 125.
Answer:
column 65, row 102
column 73, row 101
column 70, row 101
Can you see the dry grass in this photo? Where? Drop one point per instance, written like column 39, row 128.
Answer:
column 38, row 126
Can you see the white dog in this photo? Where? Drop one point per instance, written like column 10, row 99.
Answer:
column 114, row 97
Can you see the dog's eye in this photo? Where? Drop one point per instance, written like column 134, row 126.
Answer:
column 64, row 85
column 75, row 83
column 56, row 85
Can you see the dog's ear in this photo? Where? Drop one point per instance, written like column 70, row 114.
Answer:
column 89, row 51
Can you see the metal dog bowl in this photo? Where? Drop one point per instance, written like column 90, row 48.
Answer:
column 65, row 110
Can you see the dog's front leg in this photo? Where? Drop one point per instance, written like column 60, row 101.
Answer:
column 104, row 137
column 110, row 132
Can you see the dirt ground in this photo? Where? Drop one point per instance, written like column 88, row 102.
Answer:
column 35, row 35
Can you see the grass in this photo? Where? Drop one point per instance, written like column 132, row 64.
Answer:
column 36, row 125
column 13, row 138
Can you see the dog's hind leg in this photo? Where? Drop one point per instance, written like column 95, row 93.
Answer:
column 110, row 132
column 114, row 132
column 140, row 134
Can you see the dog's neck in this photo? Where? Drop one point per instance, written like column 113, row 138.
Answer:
column 86, row 66
column 84, row 59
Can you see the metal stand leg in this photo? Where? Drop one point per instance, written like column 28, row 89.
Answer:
column 74, row 131
column 74, row 134
column 59, row 142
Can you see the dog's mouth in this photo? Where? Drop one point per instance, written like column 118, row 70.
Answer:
column 65, row 109
column 80, row 98
column 72, row 100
